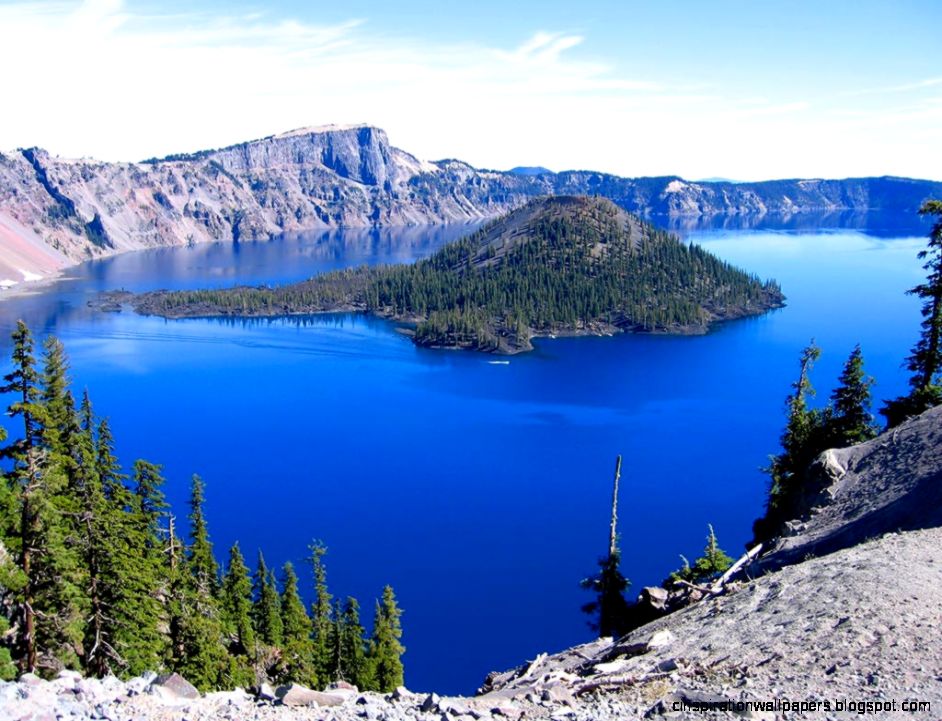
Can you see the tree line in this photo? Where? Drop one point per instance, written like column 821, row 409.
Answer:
column 95, row 576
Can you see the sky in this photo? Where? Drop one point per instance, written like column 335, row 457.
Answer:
column 735, row 89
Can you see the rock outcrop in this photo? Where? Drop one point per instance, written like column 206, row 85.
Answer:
column 56, row 212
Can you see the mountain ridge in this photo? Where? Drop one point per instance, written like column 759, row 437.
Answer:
column 57, row 212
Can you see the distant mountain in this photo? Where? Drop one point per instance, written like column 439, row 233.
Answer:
column 559, row 265
column 56, row 212
column 530, row 170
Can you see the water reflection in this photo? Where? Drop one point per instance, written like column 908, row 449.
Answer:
column 879, row 224
column 285, row 259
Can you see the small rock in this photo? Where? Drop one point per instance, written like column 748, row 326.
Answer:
column 655, row 597
column 661, row 639
column 430, row 703
column 31, row 679
column 173, row 685
column 615, row 666
column 506, row 710
column 452, row 707
column 559, row 694
column 265, row 692
column 401, row 693
column 294, row 694
column 667, row 665
column 342, row 686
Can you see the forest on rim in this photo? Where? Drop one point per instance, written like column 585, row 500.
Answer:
column 94, row 575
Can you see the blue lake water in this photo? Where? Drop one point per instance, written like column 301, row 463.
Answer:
column 479, row 490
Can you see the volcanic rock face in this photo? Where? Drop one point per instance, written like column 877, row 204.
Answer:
column 56, row 212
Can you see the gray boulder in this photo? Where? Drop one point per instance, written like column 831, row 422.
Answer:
column 173, row 685
column 294, row 694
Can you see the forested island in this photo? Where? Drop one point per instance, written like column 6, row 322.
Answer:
column 558, row 265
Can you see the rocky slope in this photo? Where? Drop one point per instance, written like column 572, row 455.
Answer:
column 860, row 626
column 55, row 212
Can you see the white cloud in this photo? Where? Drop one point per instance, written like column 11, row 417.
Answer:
column 902, row 88
column 99, row 79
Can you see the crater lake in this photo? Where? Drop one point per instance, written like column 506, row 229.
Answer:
column 477, row 486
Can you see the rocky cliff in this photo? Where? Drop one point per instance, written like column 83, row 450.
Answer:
column 56, row 212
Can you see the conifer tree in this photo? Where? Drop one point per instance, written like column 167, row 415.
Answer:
column 322, row 625
column 139, row 565
column 298, row 653
column 108, row 468
column 23, row 383
column 801, row 442
column 11, row 576
column 99, row 534
column 37, row 539
column 55, row 396
column 236, row 606
column 925, row 360
column 200, row 559
column 353, row 664
column 201, row 655
column 713, row 562
column 386, row 648
column 609, row 585
column 266, row 612
column 850, row 420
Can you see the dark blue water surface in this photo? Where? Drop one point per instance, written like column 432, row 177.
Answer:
column 479, row 490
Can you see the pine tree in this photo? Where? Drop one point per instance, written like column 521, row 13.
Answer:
column 801, row 441
column 108, row 468
column 322, row 625
column 713, row 562
column 201, row 655
column 609, row 585
column 925, row 360
column 200, row 559
column 386, row 648
column 851, row 421
column 141, row 567
column 55, row 397
column 23, row 383
column 353, row 663
column 101, row 524
column 42, row 600
column 297, row 658
column 236, row 607
column 11, row 577
column 266, row 612
column 335, row 669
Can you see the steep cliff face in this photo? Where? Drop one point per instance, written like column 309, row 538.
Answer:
column 56, row 212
